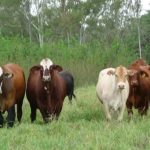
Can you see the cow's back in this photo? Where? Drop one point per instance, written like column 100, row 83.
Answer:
column 69, row 80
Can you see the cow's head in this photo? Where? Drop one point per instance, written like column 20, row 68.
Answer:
column 46, row 74
column 4, row 76
column 134, row 78
column 121, row 76
column 45, row 70
column 141, row 73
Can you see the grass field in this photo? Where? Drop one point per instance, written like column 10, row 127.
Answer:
column 81, row 126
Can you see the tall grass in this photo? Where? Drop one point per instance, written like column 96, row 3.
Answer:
column 81, row 126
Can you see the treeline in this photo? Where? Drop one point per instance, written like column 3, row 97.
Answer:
column 82, row 36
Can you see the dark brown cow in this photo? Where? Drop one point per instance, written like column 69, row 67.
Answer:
column 139, row 88
column 46, row 95
column 12, row 90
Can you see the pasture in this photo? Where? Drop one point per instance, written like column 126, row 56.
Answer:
column 81, row 125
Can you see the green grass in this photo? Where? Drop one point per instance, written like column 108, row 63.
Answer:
column 81, row 126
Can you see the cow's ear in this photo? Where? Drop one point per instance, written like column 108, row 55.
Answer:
column 131, row 72
column 8, row 75
column 111, row 72
column 56, row 67
column 143, row 74
column 144, row 71
column 37, row 67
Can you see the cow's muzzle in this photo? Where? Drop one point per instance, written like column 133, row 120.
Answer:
column 121, row 86
column 46, row 78
column 134, row 83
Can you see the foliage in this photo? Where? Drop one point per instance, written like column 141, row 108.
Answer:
column 83, row 61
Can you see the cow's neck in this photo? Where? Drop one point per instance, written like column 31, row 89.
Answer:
column 47, row 87
column 134, row 90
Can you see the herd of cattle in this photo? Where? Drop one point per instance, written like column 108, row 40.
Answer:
column 48, row 85
column 118, row 88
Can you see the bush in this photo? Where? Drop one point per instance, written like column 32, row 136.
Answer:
column 83, row 61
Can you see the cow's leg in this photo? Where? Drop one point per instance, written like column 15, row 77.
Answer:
column 45, row 115
column 11, row 116
column 120, row 117
column 145, row 107
column 58, row 110
column 1, row 120
column 142, row 110
column 19, row 110
column 33, row 113
column 129, row 109
column 33, row 108
column 107, row 113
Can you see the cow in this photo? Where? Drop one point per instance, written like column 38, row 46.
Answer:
column 112, row 90
column 67, row 76
column 12, row 90
column 139, row 88
column 48, row 92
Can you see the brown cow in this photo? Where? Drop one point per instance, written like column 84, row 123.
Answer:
column 47, row 92
column 12, row 90
column 139, row 88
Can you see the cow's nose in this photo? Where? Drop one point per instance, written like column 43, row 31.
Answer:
column 46, row 78
column 121, row 86
column 134, row 83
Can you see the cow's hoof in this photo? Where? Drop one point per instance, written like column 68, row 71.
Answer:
column 46, row 120
column 120, row 119
column 108, row 118
column 10, row 124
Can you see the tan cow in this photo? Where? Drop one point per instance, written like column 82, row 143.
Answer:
column 113, row 89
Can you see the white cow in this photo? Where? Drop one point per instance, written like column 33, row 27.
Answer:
column 113, row 89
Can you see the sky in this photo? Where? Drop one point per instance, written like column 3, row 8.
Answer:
column 145, row 6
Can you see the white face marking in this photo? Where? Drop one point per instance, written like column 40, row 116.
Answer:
column 1, row 73
column 46, row 63
column 1, row 88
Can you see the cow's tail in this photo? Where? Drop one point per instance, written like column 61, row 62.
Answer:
column 71, row 96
